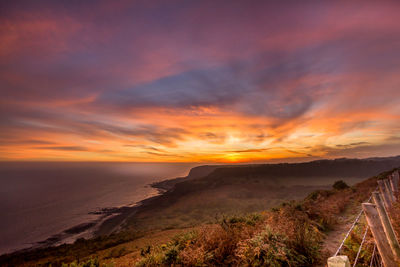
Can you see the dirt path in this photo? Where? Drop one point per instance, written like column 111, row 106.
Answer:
column 334, row 237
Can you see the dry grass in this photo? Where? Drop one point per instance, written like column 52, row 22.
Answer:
column 289, row 235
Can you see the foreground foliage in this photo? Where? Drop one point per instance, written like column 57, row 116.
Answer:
column 77, row 253
column 289, row 235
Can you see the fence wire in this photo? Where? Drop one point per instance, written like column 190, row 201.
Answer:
column 362, row 243
column 375, row 258
column 351, row 229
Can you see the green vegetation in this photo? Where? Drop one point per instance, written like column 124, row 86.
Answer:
column 352, row 244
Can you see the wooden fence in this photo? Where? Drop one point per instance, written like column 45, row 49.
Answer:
column 386, row 251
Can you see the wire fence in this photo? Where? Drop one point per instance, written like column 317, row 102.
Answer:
column 386, row 248
column 351, row 229
column 375, row 257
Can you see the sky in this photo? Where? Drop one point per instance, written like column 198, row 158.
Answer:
column 199, row 81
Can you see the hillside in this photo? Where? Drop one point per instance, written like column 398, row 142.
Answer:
column 320, row 168
column 323, row 170
column 234, row 190
column 227, row 199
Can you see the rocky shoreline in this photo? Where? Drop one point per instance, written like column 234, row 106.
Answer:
column 110, row 220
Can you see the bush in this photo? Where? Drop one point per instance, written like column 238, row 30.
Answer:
column 287, row 238
column 171, row 256
column 340, row 185
column 269, row 248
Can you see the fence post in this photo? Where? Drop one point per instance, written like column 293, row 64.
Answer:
column 394, row 187
column 379, row 235
column 389, row 189
column 338, row 261
column 395, row 179
column 387, row 225
column 386, row 199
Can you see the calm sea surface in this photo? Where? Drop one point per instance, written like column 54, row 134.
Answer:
column 38, row 200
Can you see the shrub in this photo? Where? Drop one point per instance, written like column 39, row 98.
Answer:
column 340, row 185
column 171, row 256
column 283, row 238
column 268, row 248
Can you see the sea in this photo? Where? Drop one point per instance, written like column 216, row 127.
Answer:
column 41, row 199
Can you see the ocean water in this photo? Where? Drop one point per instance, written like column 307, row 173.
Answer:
column 39, row 200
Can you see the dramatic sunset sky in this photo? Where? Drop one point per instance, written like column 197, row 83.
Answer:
column 199, row 81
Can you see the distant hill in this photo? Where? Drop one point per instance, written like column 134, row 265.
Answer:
column 320, row 168
column 229, row 189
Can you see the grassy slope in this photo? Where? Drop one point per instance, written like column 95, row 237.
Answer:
column 228, row 191
column 290, row 235
column 244, row 189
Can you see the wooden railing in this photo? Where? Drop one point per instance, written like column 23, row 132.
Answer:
column 386, row 251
